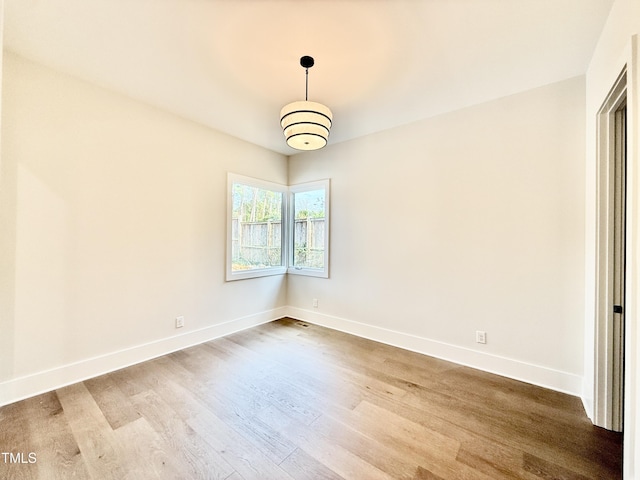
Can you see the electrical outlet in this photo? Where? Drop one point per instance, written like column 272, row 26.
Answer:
column 315, row 303
column 481, row 337
column 179, row 322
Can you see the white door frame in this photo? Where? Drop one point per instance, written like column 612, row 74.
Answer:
column 608, row 399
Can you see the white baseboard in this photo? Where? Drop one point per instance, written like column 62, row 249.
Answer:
column 23, row 387
column 45, row 381
column 529, row 373
column 587, row 404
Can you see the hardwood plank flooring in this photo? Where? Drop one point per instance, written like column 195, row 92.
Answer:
column 290, row 400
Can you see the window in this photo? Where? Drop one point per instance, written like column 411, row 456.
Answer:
column 273, row 229
column 309, row 236
column 255, row 247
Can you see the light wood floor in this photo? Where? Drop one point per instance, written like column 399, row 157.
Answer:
column 290, row 400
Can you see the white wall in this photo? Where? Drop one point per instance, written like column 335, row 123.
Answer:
column 614, row 51
column 469, row 221
column 6, row 265
column 112, row 223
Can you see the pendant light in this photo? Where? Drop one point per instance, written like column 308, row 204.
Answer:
column 306, row 124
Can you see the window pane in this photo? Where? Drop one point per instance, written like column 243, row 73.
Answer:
column 309, row 229
column 256, row 228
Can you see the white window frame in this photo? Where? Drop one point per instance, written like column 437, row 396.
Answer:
column 231, row 275
column 300, row 188
column 287, row 220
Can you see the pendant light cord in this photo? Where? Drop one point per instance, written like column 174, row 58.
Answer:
column 306, row 85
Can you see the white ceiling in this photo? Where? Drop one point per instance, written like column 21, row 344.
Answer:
column 232, row 64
